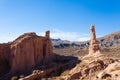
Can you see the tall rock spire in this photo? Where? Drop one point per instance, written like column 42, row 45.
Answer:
column 48, row 47
column 94, row 46
column 47, row 34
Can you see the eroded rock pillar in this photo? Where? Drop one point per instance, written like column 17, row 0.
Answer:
column 47, row 34
column 94, row 46
column 48, row 47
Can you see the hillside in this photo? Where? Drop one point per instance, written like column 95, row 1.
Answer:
column 108, row 44
column 110, row 40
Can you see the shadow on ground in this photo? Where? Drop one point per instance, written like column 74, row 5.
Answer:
column 58, row 65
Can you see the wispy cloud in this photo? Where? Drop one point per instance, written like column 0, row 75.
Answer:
column 83, row 39
column 72, row 36
column 55, row 34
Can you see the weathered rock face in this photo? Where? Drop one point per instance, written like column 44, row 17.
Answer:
column 28, row 50
column 4, row 58
column 94, row 46
column 113, row 71
column 47, row 47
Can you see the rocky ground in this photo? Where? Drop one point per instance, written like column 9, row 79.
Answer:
column 95, row 67
column 81, row 66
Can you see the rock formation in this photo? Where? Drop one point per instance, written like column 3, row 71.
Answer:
column 28, row 51
column 94, row 46
column 47, row 46
column 4, row 58
column 112, row 70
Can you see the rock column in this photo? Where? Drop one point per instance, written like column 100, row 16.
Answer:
column 47, row 35
column 48, row 47
column 94, row 46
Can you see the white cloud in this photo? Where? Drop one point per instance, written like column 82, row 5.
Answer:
column 55, row 34
column 64, row 35
column 83, row 39
column 72, row 36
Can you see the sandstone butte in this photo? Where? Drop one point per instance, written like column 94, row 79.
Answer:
column 27, row 51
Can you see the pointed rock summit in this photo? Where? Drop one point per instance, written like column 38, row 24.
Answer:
column 94, row 46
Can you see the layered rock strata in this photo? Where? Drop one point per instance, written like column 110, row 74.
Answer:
column 28, row 51
column 94, row 46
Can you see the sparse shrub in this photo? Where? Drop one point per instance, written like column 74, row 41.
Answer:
column 14, row 78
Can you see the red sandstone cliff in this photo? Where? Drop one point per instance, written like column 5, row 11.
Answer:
column 27, row 51
column 4, row 58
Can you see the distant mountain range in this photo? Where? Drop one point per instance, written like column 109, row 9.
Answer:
column 110, row 40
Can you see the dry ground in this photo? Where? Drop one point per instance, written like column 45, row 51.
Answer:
column 113, row 52
column 75, row 51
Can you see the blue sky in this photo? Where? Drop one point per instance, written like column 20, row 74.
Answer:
column 66, row 19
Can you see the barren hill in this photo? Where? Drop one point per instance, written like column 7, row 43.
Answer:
column 109, row 40
column 109, row 44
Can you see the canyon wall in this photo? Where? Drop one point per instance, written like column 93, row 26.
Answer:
column 4, row 58
column 27, row 51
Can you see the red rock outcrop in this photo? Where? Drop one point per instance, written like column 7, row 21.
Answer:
column 94, row 46
column 4, row 58
column 113, row 70
column 48, row 47
column 89, row 68
column 27, row 51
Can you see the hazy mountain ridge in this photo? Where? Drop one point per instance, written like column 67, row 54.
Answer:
column 110, row 40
